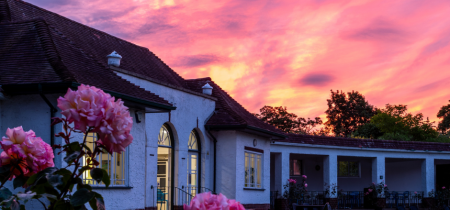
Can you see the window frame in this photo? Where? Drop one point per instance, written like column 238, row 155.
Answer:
column 291, row 167
column 112, row 181
column 247, row 182
column 358, row 163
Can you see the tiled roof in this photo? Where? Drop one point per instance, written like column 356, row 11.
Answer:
column 229, row 113
column 33, row 51
column 366, row 143
column 98, row 44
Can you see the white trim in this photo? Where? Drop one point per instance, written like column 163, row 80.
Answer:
column 356, row 148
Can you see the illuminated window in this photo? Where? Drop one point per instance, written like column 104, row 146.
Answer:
column 193, row 179
column 253, row 169
column 164, row 136
column 348, row 169
column 295, row 168
column 116, row 165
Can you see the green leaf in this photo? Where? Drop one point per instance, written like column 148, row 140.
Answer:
column 105, row 179
column 87, row 148
column 100, row 202
column 75, row 146
column 26, row 196
column 81, row 196
column 71, row 157
column 5, row 193
column 19, row 181
column 15, row 205
column 61, row 205
column 55, row 180
column 97, row 174
column 93, row 204
column 4, row 169
column 22, row 207
column 33, row 179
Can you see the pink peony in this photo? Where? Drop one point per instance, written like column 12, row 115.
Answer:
column 443, row 187
column 306, row 185
column 91, row 107
column 26, row 150
column 304, row 176
column 370, row 190
column 208, row 201
column 385, row 185
column 292, row 181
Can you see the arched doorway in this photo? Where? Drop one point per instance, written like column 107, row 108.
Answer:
column 193, row 164
column 165, row 171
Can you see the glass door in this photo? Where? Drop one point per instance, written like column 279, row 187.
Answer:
column 193, row 173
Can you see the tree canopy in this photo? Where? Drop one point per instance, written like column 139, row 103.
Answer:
column 444, row 116
column 347, row 111
column 288, row 122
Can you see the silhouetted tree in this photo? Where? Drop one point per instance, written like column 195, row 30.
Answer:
column 288, row 122
column 346, row 112
column 444, row 115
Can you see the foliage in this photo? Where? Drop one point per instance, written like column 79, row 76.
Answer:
column 292, row 190
column 347, row 111
column 288, row 122
column 331, row 190
column 394, row 123
column 90, row 110
column 444, row 115
column 442, row 196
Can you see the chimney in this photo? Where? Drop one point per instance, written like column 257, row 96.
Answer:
column 114, row 59
column 207, row 89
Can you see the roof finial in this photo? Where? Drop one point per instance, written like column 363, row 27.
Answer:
column 207, row 89
column 114, row 59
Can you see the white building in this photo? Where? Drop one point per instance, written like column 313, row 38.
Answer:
column 190, row 136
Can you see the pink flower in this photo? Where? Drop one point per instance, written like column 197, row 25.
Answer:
column 208, row 201
column 443, row 187
column 304, row 176
column 385, row 185
column 306, row 185
column 25, row 150
column 370, row 190
column 367, row 193
column 292, row 181
column 415, row 192
column 91, row 107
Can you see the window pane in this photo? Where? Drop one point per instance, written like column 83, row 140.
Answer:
column 343, row 168
column 252, row 170
column 246, row 170
column 353, row 169
column 192, row 144
column 164, row 136
column 297, row 167
column 259, row 171
column 113, row 164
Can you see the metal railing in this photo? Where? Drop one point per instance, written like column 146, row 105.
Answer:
column 403, row 198
column 350, row 199
column 183, row 197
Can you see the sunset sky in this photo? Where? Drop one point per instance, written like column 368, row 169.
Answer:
column 291, row 52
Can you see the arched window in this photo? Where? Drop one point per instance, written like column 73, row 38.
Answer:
column 164, row 137
column 193, row 179
column 165, row 168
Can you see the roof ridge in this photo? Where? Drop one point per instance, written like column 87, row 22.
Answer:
column 83, row 52
column 5, row 13
column 203, row 78
column 73, row 21
column 228, row 108
column 50, row 49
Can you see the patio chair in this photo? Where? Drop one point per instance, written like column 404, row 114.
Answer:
column 354, row 199
column 389, row 199
column 400, row 208
column 413, row 208
column 395, row 198
column 161, row 199
column 405, row 197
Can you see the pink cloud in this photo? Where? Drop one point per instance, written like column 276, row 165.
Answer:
column 291, row 53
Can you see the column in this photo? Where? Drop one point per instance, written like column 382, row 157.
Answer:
column 378, row 170
column 281, row 171
column 428, row 175
column 330, row 172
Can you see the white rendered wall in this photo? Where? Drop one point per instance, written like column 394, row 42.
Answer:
column 404, row 175
column 226, row 163
column 190, row 110
column 246, row 196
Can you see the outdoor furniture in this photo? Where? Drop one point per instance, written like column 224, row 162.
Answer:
column 161, row 198
column 404, row 197
column 413, row 208
column 389, row 199
column 354, row 199
column 395, row 197
column 307, row 207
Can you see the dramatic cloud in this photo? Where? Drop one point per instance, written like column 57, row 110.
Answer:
column 290, row 52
